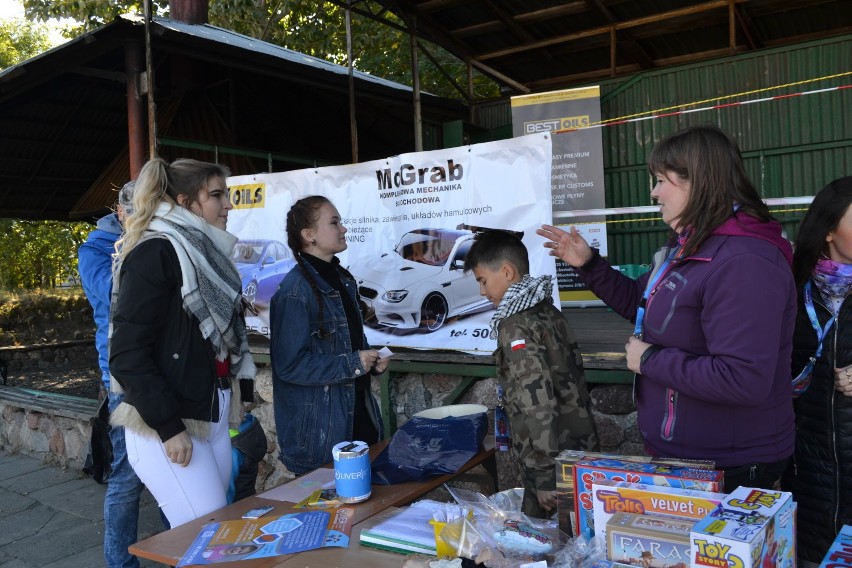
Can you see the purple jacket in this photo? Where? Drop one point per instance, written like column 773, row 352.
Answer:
column 719, row 387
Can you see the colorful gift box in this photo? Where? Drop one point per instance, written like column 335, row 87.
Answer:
column 576, row 474
column 649, row 541
column 840, row 553
column 611, row 497
column 751, row 528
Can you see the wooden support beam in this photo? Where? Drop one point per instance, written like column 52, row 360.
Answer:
column 628, row 43
column 133, row 65
column 415, row 87
column 732, row 26
column 603, row 30
column 747, row 27
column 441, row 69
column 353, row 123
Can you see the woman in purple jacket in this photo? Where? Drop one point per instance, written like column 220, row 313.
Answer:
column 714, row 318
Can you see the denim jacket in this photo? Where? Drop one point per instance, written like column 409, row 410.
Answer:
column 313, row 377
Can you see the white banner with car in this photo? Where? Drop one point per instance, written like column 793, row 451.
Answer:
column 411, row 219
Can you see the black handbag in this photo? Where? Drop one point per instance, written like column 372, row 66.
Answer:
column 99, row 461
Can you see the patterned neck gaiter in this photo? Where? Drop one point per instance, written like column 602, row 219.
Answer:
column 832, row 279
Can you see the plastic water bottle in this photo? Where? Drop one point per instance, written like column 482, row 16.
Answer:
column 502, row 437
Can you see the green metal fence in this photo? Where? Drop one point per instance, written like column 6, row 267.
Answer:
column 792, row 146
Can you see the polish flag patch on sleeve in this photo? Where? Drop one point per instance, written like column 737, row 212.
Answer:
column 518, row 344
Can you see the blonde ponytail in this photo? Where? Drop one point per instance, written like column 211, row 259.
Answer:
column 149, row 193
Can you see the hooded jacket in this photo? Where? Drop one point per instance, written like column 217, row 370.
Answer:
column 94, row 262
column 822, row 476
column 718, row 387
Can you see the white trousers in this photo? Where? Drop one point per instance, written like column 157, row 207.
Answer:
column 186, row 493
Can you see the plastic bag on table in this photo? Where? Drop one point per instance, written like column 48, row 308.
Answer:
column 581, row 553
column 502, row 504
column 425, row 447
column 500, row 535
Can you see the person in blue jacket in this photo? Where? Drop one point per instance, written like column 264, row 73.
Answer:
column 121, row 502
column 94, row 261
column 321, row 360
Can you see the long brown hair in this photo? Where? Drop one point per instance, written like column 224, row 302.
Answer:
column 711, row 161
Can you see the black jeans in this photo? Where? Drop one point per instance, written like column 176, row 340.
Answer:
column 759, row 475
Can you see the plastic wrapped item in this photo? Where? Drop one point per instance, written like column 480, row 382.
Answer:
column 425, row 447
column 581, row 553
column 500, row 535
column 504, row 503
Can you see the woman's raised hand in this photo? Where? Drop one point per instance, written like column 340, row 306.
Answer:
column 568, row 246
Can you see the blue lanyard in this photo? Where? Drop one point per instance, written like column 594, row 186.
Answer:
column 652, row 283
column 801, row 382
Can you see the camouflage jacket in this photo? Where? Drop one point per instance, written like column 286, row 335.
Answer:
column 541, row 371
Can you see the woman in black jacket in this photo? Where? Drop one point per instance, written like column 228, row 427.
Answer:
column 821, row 478
column 178, row 345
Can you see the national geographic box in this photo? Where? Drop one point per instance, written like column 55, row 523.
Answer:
column 576, row 471
column 751, row 528
column 651, row 541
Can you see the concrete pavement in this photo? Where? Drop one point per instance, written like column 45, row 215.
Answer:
column 52, row 517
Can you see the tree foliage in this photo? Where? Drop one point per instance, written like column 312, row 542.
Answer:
column 34, row 254
column 20, row 40
column 307, row 26
column 43, row 253
column 89, row 14
column 39, row 254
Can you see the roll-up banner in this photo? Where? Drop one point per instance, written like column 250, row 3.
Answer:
column 577, row 175
column 411, row 220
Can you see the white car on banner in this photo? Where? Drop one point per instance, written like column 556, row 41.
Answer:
column 422, row 282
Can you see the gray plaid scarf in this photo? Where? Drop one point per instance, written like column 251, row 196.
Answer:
column 211, row 287
column 520, row 296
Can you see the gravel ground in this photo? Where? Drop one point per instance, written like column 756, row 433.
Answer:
column 83, row 382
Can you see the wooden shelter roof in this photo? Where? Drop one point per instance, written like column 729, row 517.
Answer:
column 220, row 96
column 539, row 45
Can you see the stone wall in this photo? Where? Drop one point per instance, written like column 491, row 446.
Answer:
column 614, row 414
column 53, row 438
column 64, row 440
column 44, row 357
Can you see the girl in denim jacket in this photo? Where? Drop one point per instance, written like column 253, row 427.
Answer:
column 321, row 360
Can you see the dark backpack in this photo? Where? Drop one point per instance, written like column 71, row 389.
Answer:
column 99, row 461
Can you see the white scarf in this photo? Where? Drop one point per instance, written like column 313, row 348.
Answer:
column 211, row 287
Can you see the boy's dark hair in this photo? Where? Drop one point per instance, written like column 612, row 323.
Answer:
column 492, row 248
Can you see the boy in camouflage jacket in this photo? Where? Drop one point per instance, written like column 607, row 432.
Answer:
column 539, row 365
